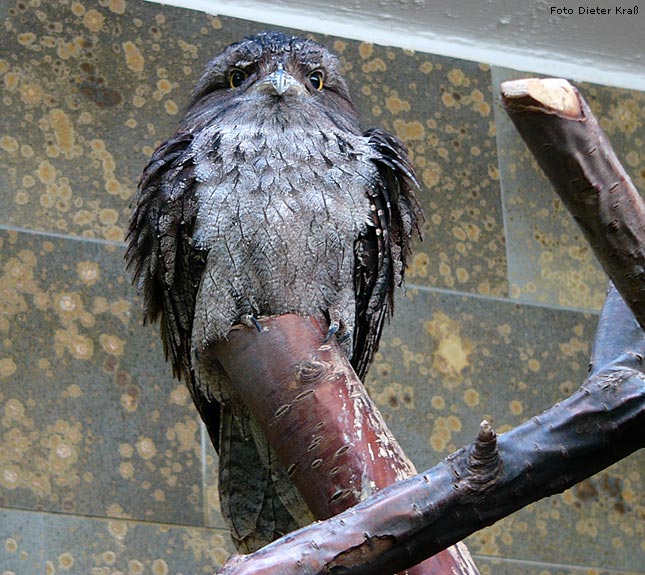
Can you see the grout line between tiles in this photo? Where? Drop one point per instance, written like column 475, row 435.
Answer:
column 531, row 563
column 409, row 286
column 50, row 513
column 8, row 228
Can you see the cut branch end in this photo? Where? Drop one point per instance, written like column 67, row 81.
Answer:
column 550, row 94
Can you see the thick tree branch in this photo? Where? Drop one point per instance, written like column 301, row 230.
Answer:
column 565, row 138
column 603, row 422
column 319, row 419
column 313, row 410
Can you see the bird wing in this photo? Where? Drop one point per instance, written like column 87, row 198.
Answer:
column 381, row 251
column 165, row 265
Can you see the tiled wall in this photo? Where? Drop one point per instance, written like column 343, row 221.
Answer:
column 103, row 468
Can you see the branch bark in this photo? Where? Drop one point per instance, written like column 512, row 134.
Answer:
column 318, row 417
column 603, row 422
column 562, row 133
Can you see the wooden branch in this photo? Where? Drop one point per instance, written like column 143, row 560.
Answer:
column 313, row 410
column 598, row 425
column 318, row 417
column 560, row 130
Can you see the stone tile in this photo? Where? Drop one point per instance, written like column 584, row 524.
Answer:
column 21, row 542
column 91, row 420
column 489, row 566
column 91, row 91
column 449, row 361
column 443, row 109
column 549, row 261
column 40, row 543
column 458, row 359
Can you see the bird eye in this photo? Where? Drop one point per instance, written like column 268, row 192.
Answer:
column 316, row 79
column 236, row 77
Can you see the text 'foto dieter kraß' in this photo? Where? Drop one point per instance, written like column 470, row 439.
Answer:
column 594, row 10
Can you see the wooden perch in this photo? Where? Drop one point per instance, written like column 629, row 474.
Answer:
column 565, row 138
column 313, row 410
column 319, row 419
column 603, row 422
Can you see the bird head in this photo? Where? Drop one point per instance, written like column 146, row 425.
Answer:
column 277, row 69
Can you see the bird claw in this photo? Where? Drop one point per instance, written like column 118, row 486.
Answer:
column 337, row 326
column 333, row 328
column 251, row 321
column 344, row 336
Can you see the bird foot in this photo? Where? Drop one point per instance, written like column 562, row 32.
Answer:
column 333, row 328
column 251, row 321
column 343, row 337
column 336, row 327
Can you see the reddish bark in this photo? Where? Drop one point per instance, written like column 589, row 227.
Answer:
column 320, row 420
column 598, row 425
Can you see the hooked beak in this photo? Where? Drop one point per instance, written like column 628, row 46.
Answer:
column 279, row 82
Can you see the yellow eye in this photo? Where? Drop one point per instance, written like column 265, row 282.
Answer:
column 317, row 79
column 236, row 77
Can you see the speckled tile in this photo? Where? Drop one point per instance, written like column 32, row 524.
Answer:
column 488, row 566
column 443, row 109
column 91, row 88
column 21, row 542
column 449, row 361
column 45, row 544
column 88, row 88
column 549, row 260
column 92, row 421
column 458, row 359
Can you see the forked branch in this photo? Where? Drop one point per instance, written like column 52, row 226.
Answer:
column 603, row 422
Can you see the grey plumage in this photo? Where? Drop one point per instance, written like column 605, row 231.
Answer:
column 268, row 199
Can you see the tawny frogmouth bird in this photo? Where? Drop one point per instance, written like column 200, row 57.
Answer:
column 268, row 199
